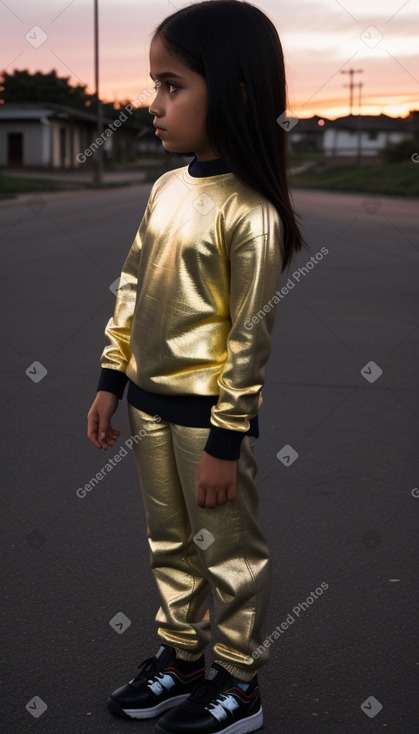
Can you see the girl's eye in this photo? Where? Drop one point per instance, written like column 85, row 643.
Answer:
column 172, row 88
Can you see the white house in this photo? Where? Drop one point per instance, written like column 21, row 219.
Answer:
column 365, row 134
column 44, row 135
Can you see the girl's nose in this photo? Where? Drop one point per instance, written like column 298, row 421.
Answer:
column 154, row 108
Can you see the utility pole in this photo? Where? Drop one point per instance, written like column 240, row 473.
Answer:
column 359, row 153
column 98, row 174
column 351, row 85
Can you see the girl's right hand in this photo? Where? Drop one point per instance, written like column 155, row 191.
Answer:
column 99, row 427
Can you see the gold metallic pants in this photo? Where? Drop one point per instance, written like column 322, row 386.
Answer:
column 195, row 550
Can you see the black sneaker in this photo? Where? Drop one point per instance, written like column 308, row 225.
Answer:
column 163, row 682
column 221, row 703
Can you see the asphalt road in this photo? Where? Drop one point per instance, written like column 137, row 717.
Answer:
column 341, row 392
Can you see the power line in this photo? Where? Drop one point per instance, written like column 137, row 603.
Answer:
column 351, row 84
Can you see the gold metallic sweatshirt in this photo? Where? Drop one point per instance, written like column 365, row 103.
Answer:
column 196, row 300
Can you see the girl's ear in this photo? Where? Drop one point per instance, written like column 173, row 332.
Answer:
column 244, row 92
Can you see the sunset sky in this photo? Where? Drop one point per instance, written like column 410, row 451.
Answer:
column 319, row 37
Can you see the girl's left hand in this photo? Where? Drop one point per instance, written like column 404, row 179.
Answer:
column 216, row 481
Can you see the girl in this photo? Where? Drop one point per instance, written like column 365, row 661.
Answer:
column 191, row 336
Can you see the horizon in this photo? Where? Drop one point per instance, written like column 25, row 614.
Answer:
column 312, row 117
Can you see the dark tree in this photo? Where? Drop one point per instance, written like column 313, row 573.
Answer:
column 22, row 86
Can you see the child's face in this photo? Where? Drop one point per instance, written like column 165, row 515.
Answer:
column 180, row 106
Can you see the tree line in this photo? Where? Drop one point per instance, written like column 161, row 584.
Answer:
column 39, row 87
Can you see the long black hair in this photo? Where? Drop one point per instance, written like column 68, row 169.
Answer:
column 229, row 42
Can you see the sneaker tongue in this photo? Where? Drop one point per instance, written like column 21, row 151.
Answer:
column 164, row 656
column 219, row 675
column 212, row 673
column 211, row 686
column 160, row 652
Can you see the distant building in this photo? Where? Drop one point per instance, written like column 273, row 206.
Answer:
column 345, row 136
column 146, row 142
column 367, row 133
column 52, row 136
column 307, row 135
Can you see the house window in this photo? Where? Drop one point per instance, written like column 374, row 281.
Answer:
column 372, row 135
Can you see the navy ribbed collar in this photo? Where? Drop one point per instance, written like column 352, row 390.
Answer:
column 201, row 169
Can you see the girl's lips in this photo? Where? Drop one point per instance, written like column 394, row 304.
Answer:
column 159, row 130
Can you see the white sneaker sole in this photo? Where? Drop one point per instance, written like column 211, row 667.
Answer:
column 156, row 710
column 244, row 726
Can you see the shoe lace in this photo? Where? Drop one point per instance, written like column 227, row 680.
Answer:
column 205, row 691
column 147, row 669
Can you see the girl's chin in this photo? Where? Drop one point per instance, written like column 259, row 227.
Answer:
column 173, row 148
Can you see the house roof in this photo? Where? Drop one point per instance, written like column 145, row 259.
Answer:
column 310, row 124
column 369, row 122
column 32, row 111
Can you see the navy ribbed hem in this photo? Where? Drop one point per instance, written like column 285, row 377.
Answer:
column 202, row 169
column 113, row 381
column 224, row 444
column 184, row 410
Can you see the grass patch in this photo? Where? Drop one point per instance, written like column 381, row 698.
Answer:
column 297, row 159
column 17, row 185
column 398, row 179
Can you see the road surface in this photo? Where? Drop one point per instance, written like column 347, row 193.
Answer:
column 337, row 459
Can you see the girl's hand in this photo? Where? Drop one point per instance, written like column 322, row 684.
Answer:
column 216, row 481
column 99, row 427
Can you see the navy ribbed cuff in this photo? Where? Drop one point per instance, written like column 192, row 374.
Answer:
column 224, row 444
column 113, row 381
